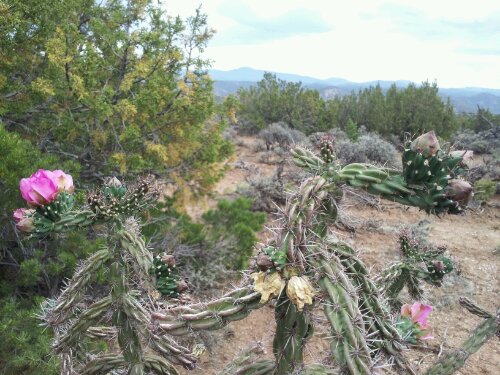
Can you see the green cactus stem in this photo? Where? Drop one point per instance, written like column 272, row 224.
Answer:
column 181, row 320
column 292, row 331
column 454, row 360
column 417, row 264
column 425, row 181
column 70, row 221
column 341, row 308
column 378, row 325
column 74, row 291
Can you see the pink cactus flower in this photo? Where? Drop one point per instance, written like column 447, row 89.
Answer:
column 63, row 181
column 464, row 154
column 24, row 219
column 418, row 313
column 427, row 144
column 43, row 186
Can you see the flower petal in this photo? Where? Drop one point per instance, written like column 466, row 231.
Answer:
column 406, row 310
column 420, row 312
column 19, row 214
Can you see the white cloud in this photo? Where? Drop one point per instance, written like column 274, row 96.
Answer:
column 449, row 41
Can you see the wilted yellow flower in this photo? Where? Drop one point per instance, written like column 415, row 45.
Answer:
column 156, row 295
column 300, row 291
column 268, row 285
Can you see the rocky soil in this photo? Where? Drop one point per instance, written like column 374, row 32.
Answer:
column 472, row 240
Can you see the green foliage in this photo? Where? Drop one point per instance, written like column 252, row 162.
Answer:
column 484, row 189
column 29, row 272
column 25, row 262
column 208, row 250
column 24, row 344
column 351, row 130
column 413, row 109
column 114, row 86
column 94, row 88
column 235, row 220
column 20, row 158
column 480, row 121
column 274, row 100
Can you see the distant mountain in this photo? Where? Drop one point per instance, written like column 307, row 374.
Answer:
column 464, row 99
column 255, row 75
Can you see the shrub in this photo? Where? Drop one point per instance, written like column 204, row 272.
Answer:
column 483, row 142
column 208, row 251
column 484, row 189
column 370, row 148
column 24, row 345
column 352, row 130
column 279, row 133
column 266, row 193
column 235, row 221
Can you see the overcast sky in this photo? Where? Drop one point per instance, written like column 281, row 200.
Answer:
column 454, row 42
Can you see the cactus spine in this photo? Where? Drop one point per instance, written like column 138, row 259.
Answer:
column 454, row 360
column 123, row 313
column 300, row 256
column 417, row 263
column 183, row 319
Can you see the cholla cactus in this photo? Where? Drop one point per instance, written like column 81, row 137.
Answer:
column 300, row 267
column 418, row 262
column 122, row 311
column 454, row 360
column 431, row 179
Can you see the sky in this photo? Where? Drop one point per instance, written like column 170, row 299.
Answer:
column 455, row 43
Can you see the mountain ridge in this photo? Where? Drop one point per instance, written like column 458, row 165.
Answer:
column 464, row 99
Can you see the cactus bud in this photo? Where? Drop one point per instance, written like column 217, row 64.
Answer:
column 460, row 191
column 264, row 262
column 438, row 265
column 168, row 260
column 24, row 219
column 326, row 148
column 114, row 182
column 427, row 144
column 182, row 286
column 300, row 291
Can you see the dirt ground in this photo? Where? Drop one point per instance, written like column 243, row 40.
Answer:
column 472, row 240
